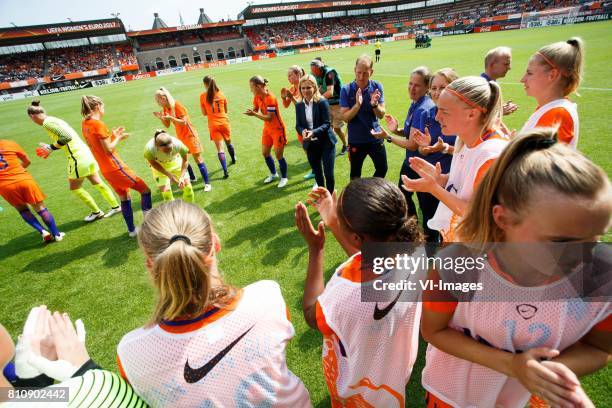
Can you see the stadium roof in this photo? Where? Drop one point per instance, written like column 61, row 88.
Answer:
column 277, row 9
column 204, row 19
column 158, row 22
column 184, row 28
column 49, row 32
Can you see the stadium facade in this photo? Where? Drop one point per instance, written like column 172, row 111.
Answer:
column 65, row 56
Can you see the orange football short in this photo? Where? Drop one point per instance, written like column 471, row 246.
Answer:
column 22, row 192
column 274, row 138
column 122, row 180
column 221, row 131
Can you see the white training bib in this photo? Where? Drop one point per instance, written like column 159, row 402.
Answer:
column 566, row 104
column 236, row 360
column 510, row 326
column 369, row 357
column 464, row 168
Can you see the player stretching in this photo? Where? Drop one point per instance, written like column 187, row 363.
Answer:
column 19, row 189
column 265, row 107
column 103, row 145
column 167, row 157
column 214, row 106
column 81, row 163
column 174, row 112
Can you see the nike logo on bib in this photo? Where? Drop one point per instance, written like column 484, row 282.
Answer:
column 193, row 375
column 381, row 313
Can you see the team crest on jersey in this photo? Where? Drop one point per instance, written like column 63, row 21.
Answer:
column 526, row 311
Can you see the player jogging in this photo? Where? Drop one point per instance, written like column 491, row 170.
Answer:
column 553, row 73
column 529, row 331
column 173, row 112
column 20, row 190
column 167, row 157
column 265, row 108
column 369, row 348
column 103, row 145
column 217, row 345
column 81, row 163
column 214, row 106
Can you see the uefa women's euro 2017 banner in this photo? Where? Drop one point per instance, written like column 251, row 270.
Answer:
column 68, row 76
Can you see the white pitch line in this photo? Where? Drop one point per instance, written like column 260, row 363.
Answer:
column 582, row 88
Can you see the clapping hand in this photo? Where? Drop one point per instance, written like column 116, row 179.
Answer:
column 429, row 176
column 510, row 134
column 249, row 112
column 50, row 345
column 375, row 98
column 509, row 107
column 325, row 203
column 158, row 115
column 439, row 146
column 379, row 133
column 391, row 122
column 118, row 133
column 69, row 345
column 359, row 97
column 422, row 139
column 35, row 339
column 314, row 238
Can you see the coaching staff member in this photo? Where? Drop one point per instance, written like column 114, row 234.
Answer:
column 362, row 104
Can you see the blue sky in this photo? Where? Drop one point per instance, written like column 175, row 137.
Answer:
column 135, row 14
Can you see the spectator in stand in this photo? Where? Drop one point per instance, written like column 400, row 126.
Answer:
column 498, row 62
column 330, row 84
column 362, row 104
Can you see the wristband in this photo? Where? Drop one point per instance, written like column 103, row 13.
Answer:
column 53, row 147
column 390, row 139
column 446, row 147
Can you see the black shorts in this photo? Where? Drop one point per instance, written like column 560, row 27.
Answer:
column 377, row 52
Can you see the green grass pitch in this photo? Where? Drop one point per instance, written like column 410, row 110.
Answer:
column 97, row 273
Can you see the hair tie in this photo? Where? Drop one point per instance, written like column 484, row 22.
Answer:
column 466, row 100
column 535, row 144
column 179, row 237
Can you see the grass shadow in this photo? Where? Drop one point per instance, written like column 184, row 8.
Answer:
column 115, row 253
column 32, row 240
column 264, row 231
column 243, row 201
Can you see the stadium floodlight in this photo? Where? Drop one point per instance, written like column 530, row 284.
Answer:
column 13, row 24
column 116, row 15
column 69, row 19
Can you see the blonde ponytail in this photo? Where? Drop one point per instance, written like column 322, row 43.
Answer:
column 533, row 161
column 89, row 103
column 178, row 238
column 165, row 93
column 568, row 58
